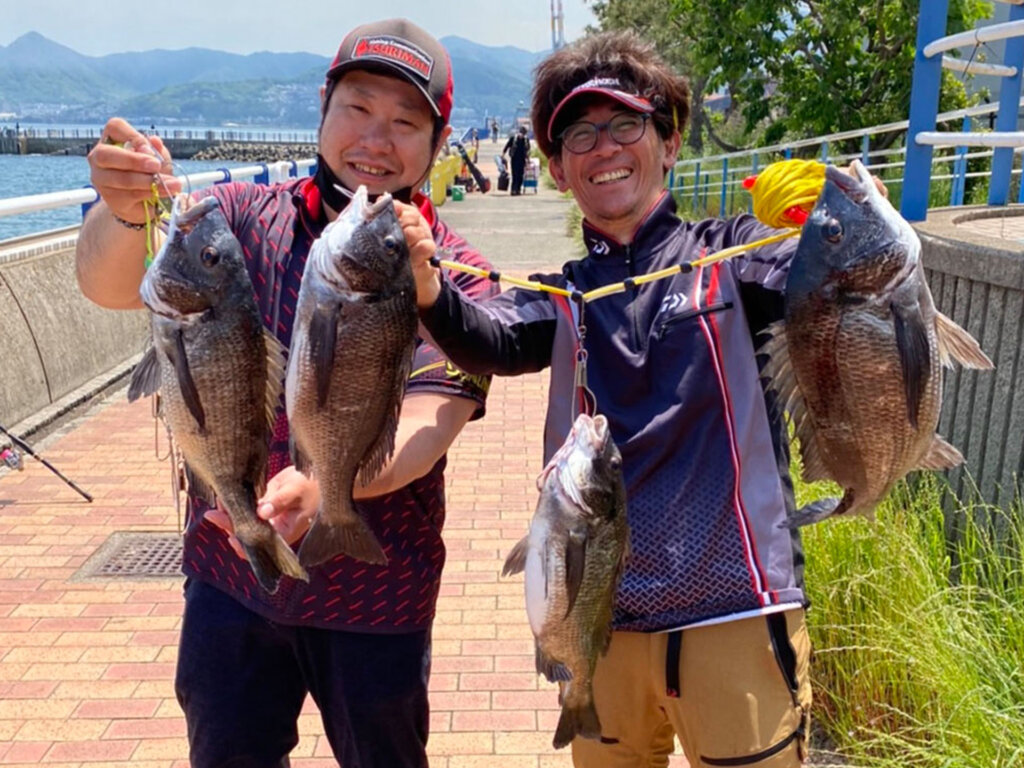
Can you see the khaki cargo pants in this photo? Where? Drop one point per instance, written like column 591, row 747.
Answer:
column 736, row 694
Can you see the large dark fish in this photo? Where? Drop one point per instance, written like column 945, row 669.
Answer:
column 857, row 362
column 573, row 558
column 351, row 354
column 219, row 374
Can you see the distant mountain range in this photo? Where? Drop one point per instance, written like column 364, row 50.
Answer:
column 41, row 80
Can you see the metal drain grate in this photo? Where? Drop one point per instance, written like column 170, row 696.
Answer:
column 134, row 555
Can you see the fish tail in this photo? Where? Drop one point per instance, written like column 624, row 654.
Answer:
column 351, row 537
column 271, row 558
column 577, row 719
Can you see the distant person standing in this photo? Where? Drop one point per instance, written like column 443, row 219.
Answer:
column 518, row 149
column 494, row 130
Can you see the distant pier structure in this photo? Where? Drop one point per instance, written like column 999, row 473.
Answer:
column 182, row 144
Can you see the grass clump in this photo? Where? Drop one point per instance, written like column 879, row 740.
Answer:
column 919, row 641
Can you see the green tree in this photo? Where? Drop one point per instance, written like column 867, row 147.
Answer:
column 658, row 21
column 803, row 68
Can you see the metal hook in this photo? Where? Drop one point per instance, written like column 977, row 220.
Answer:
column 584, row 400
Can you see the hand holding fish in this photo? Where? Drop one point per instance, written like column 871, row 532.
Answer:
column 422, row 248
column 123, row 166
column 289, row 505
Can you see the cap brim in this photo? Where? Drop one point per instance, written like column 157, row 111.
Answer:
column 370, row 64
column 631, row 100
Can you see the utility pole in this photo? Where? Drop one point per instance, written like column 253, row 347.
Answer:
column 557, row 26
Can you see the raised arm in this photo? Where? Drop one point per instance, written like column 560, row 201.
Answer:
column 109, row 259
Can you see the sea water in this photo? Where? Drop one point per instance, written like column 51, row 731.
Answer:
column 36, row 174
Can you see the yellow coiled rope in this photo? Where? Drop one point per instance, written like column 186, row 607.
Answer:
column 783, row 195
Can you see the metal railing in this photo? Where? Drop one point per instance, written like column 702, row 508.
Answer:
column 713, row 184
column 924, row 98
column 263, row 173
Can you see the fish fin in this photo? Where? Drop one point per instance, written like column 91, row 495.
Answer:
column 818, row 510
column 575, row 564
column 956, row 344
column 299, row 460
column 779, row 371
column 187, row 385
column 577, row 721
column 275, row 376
column 272, row 558
column 323, row 335
column 378, row 454
column 516, row 560
column 145, row 377
column 197, row 487
column 941, row 455
column 353, row 537
column 554, row 671
column 915, row 355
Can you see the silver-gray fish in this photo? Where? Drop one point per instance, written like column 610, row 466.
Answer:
column 857, row 362
column 219, row 375
column 351, row 354
column 573, row 558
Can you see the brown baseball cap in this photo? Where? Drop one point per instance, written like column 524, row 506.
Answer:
column 399, row 47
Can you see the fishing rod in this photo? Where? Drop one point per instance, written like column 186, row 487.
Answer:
column 28, row 449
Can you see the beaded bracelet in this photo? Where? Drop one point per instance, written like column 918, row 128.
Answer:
column 128, row 224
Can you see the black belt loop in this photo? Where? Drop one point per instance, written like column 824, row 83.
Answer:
column 672, row 655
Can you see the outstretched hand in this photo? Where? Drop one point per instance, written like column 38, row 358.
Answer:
column 123, row 166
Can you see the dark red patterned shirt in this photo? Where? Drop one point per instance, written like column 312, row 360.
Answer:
column 276, row 226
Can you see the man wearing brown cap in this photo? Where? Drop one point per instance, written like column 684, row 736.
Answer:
column 357, row 636
column 708, row 643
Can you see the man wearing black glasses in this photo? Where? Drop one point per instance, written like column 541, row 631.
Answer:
column 709, row 642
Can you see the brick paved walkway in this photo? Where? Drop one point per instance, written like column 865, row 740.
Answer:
column 86, row 667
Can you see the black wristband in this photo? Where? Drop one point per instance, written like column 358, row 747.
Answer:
column 128, row 224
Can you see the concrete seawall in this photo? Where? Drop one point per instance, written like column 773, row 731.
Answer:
column 975, row 266
column 53, row 341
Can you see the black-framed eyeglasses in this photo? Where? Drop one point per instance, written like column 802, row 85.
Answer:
column 626, row 128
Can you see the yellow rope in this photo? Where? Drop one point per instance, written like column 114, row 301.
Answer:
column 785, row 192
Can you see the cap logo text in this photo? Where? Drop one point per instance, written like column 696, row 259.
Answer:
column 396, row 51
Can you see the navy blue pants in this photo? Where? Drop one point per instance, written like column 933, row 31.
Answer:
column 241, row 681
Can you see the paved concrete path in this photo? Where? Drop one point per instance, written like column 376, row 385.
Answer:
column 87, row 666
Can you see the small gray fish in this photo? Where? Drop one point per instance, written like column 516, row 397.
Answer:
column 351, row 355
column 573, row 558
column 219, row 375
column 857, row 362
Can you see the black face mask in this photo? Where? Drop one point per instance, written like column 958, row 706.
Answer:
column 336, row 195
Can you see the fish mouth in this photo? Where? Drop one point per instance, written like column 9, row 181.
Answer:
column 372, row 210
column 592, row 431
column 185, row 213
column 858, row 187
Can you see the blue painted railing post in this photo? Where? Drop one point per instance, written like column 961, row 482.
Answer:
column 1006, row 118
column 788, row 153
column 865, row 151
column 824, row 152
column 956, row 195
column 924, row 106
column 725, row 179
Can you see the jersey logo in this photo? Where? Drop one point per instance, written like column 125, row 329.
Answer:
column 600, row 248
column 671, row 303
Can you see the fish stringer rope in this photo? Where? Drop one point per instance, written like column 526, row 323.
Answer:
column 584, row 400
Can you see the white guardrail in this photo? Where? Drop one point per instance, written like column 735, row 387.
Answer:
column 267, row 173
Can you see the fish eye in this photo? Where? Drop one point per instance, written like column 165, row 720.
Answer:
column 615, row 463
column 391, row 243
column 833, row 230
column 209, row 256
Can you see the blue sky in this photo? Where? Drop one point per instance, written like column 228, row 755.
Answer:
column 96, row 27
